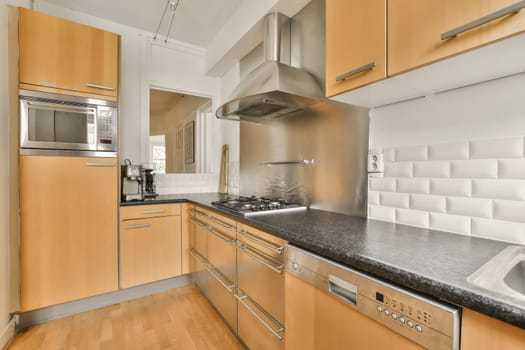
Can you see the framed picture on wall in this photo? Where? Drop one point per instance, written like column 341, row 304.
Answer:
column 189, row 142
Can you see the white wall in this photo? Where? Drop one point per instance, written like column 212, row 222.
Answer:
column 4, row 172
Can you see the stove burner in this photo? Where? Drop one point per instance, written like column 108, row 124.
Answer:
column 250, row 205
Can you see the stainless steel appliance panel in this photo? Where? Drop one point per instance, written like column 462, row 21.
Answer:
column 256, row 327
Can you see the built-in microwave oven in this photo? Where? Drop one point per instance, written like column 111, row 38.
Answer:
column 52, row 121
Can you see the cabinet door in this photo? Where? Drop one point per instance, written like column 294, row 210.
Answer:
column 316, row 320
column 355, row 40
column 415, row 28
column 151, row 250
column 68, row 229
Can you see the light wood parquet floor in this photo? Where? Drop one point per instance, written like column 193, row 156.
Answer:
column 179, row 319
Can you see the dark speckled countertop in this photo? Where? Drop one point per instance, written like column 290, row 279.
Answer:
column 432, row 262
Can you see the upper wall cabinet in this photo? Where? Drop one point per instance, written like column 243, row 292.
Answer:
column 66, row 57
column 355, row 44
column 421, row 32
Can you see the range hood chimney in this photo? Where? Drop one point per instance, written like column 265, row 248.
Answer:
column 273, row 89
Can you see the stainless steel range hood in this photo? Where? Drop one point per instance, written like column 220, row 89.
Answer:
column 273, row 89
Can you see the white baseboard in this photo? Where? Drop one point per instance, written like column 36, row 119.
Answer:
column 7, row 333
column 34, row 317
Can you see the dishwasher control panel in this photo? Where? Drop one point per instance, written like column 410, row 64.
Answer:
column 427, row 322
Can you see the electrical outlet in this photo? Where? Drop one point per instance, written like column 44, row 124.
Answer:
column 375, row 162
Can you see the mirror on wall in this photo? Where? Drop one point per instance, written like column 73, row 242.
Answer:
column 180, row 132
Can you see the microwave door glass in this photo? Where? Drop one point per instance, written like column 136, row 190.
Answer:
column 71, row 127
column 41, row 125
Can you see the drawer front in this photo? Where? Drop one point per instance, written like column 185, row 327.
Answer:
column 149, row 211
column 150, row 250
column 220, row 292
column 198, row 267
column 261, row 277
column 222, row 223
column 266, row 243
column 222, row 252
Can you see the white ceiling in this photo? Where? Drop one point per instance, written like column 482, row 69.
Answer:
column 196, row 21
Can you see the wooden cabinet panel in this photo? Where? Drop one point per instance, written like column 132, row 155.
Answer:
column 151, row 250
column 63, row 55
column 480, row 332
column 415, row 28
column 149, row 211
column 68, row 229
column 355, row 37
column 315, row 320
column 185, row 239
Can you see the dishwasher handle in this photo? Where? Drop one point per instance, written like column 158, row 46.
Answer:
column 342, row 289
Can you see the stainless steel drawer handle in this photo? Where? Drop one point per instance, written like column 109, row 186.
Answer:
column 221, row 235
column 342, row 289
column 154, row 211
column 275, row 332
column 199, row 213
column 197, row 256
column 101, row 165
column 228, row 286
column 255, row 256
column 261, row 242
column 515, row 8
column 131, row 227
column 195, row 221
column 222, row 223
column 356, row 71
column 98, row 86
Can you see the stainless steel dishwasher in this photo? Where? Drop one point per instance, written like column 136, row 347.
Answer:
column 330, row 306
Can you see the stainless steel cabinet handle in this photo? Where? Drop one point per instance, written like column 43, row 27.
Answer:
column 484, row 20
column 356, row 71
column 154, row 211
column 222, row 223
column 221, row 235
column 196, row 255
column 131, row 227
column 260, row 258
column 199, row 213
column 265, row 324
column 342, row 289
column 212, row 272
column 101, row 165
column 261, row 242
column 195, row 221
column 97, row 86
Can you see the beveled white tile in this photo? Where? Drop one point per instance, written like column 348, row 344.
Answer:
column 500, row 230
column 499, row 189
column 392, row 199
column 373, row 198
column 511, row 168
column 451, row 187
column 382, row 184
column 428, row 203
column 411, row 153
column 449, row 151
column 412, row 217
column 398, row 169
column 502, row 148
column 472, row 169
column 377, row 212
column 412, row 185
column 509, row 210
column 389, row 154
column 450, row 223
column 435, row 169
column 479, row 207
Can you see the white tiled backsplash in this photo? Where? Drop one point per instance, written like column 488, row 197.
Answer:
column 474, row 187
column 187, row 183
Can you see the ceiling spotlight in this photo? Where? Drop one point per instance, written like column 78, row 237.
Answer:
column 172, row 5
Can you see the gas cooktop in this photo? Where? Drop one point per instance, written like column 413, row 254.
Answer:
column 253, row 205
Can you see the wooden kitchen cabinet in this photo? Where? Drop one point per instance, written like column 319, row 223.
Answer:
column 68, row 229
column 151, row 243
column 56, row 55
column 480, row 332
column 355, row 38
column 415, row 28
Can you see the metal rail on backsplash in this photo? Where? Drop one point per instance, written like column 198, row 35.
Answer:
column 286, row 162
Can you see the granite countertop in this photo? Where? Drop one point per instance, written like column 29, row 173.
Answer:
column 432, row 262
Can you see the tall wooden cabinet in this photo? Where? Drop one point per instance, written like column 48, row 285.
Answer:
column 68, row 229
column 61, row 56
column 355, row 44
column 415, row 28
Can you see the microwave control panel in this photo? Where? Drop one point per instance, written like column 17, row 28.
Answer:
column 106, row 128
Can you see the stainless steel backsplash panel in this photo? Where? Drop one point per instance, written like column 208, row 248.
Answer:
column 334, row 135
